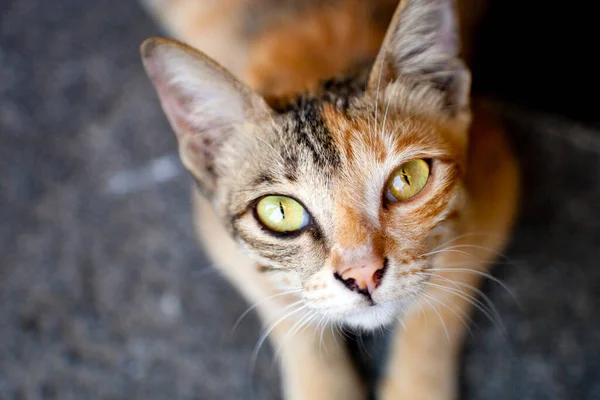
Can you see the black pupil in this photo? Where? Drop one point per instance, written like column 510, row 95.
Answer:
column 405, row 175
column 281, row 209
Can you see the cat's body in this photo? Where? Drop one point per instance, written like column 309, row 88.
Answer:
column 359, row 255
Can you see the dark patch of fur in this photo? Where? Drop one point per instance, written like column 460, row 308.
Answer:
column 341, row 90
column 267, row 268
column 305, row 123
column 337, row 91
column 382, row 12
column 311, row 132
column 263, row 178
column 290, row 175
column 291, row 166
column 319, row 237
column 276, row 252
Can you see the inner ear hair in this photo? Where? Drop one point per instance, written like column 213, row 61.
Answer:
column 205, row 104
column 422, row 45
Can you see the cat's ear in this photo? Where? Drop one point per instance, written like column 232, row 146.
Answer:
column 206, row 106
column 422, row 44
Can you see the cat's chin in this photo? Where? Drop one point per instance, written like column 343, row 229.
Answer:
column 374, row 317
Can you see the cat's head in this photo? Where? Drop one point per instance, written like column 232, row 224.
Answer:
column 345, row 192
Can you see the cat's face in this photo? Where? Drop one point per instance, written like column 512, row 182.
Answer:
column 343, row 194
column 314, row 204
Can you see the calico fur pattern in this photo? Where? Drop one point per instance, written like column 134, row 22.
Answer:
column 288, row 128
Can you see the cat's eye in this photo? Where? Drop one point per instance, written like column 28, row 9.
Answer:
column 407, row 181
column 281, row 214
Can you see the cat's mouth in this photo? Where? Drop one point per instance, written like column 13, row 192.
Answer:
column 376, row 315
column 400, row 287
column 384, row 307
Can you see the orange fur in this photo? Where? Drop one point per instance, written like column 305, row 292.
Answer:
column 320, row 47
column 472, row 188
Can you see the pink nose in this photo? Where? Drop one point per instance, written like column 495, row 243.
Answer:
column 363, row 278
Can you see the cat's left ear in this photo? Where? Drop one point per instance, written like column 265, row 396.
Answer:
column 208, row 108
column 422, row 44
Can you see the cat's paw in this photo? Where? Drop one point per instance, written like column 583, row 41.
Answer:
column 334, row 389
column 391, row 389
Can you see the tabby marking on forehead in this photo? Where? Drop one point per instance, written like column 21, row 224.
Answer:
column 301, row 175
column 305, row 124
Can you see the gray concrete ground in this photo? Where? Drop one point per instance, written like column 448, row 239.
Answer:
column 104, row 294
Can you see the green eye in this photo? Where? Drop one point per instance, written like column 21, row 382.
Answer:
column 407, row 181
column 281, row 214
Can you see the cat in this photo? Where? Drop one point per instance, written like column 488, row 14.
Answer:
column 343, row 178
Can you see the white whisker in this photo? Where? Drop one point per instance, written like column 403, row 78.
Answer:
column 293, row 331
column 428, row 298
column 477, row 272
column 264, row 336
column 458, row 285
column 471, row 300
column 431, row 253
column 377, row 91
column 253, row 306
column 465, row 321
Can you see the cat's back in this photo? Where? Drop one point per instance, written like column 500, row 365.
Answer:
column 297, row 44
column 279, row 46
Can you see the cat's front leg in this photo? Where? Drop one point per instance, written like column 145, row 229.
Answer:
column 315, row 366
column 423, row 363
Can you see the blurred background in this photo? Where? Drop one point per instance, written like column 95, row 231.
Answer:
column 105, row 295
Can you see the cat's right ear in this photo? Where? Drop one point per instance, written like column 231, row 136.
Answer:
column 422, row 44
column 206, row 106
